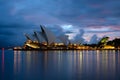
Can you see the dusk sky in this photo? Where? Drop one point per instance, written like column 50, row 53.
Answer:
column 80, row 19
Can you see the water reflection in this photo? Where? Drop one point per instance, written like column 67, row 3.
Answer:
column 2, row 63
column 71, row 65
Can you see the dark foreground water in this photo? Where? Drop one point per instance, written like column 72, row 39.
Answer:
column 60, row 65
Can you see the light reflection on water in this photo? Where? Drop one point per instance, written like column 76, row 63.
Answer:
column 63, row 65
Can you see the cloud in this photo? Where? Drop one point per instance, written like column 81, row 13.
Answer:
column 102, row 29
column 94, row 39
column 69, row 32
column 69, row 11
column 17, row 17
column 78, row 39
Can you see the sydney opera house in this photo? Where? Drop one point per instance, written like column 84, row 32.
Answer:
column 44, row 39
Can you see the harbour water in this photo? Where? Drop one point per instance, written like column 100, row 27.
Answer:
column 60, row 65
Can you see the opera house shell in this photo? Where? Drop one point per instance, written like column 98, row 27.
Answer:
column 44, row 39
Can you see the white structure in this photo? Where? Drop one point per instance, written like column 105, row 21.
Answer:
column 48, row 35
column 64, row 39
column 44, row 36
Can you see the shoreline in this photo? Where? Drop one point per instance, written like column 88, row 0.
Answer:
column 58, row 49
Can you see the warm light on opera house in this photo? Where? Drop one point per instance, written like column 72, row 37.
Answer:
column 45, row 39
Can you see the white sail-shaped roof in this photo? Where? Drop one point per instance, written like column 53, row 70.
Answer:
column 37, row 36
column 41, row 37
column 48, row 35
column 27, row 36
column 64, row 39
column 44, row 35
column 30, row 37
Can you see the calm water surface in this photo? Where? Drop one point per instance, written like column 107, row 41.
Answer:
column 60, row 65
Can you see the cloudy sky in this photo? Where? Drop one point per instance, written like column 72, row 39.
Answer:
column 84, row 18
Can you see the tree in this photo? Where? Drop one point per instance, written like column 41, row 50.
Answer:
column 116, row 42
